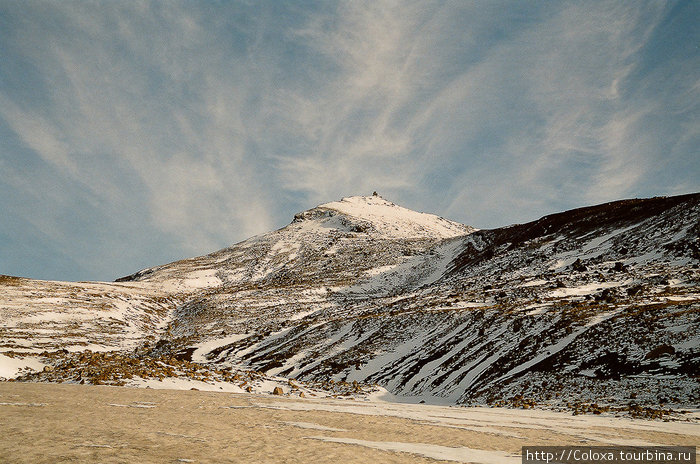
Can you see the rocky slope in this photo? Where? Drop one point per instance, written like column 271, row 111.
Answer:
column 590, row 309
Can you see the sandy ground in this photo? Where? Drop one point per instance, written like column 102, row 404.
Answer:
column 50, row 423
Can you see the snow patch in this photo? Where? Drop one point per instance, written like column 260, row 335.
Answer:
column 442, row 453
column 534, row 283
column 582, row 289
column 308, row 425
column 202, row 278
column 395, row 221
column 199, row 355
column 12, row 367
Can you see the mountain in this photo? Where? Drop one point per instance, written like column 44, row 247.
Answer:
column 594, row 309
column 353, row 226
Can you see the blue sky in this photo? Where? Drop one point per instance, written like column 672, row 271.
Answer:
column 136, row 133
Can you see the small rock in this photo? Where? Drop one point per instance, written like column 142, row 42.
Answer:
column 579, row 266
column 660, row 351
column 278, row 391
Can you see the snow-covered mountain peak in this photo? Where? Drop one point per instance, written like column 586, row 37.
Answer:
column 376, row 215
column 593, row 309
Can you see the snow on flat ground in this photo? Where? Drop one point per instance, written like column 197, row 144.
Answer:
column 442, row 453
column 583, row 427
column 309, row 425
column 174, row 383
column 395, row 221
column 264, row 387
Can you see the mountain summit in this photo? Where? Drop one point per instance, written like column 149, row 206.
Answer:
column 373, row 214
column 346, row 236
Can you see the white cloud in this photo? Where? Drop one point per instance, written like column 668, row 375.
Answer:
column 352, row 124
column 212, row 122
column 120, row 94
column 433, row 88
column 571, row 137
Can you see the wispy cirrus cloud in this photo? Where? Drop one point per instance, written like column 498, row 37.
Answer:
column 508, row 110
column 172, row 128
column 135, row 85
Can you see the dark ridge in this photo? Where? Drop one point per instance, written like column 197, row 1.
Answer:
column 135, row 276
column 576, row 221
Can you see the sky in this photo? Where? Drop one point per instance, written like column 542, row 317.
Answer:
column 135, row 133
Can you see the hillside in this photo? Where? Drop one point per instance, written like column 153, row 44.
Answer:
column 592, row 309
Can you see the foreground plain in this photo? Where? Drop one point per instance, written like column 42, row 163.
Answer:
column 42, row 423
